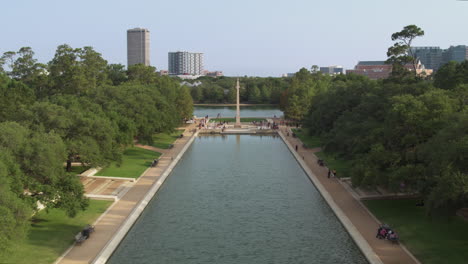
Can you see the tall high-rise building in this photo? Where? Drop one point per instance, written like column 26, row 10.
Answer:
column 455, row 53
column 435, row 57
column 185, row 63
column 138, row 46
column 431, row 57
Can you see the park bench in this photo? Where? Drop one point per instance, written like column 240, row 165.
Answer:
column 154, row 163
column 171, row 146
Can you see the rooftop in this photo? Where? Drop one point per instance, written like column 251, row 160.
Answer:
column 371, row 63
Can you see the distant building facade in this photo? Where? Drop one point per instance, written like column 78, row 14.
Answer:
column 288, row 75
column 332, row 70
column 435, row 57
column 455, row 53
column 213, row 73
column 431, row 57
column 372, row 69
column 379, row 70
column 138, row 46
column 185, row 63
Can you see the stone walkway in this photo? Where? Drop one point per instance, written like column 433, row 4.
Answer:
column 365, row 223
column 103, row 186
column 111, row 220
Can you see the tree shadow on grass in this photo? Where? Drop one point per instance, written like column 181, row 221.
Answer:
column 55, row 237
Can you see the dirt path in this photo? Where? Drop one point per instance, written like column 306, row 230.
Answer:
column 354, row 210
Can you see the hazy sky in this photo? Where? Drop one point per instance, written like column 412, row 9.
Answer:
column 240, row 37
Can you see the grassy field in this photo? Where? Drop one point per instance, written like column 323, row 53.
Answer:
column 52, row 233
column 232, row 120
column 134, row 162
column 340, row 165
column 308, row 140
column 431, row 240
column 164, row 140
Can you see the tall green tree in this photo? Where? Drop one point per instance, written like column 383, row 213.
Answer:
column 401, row 53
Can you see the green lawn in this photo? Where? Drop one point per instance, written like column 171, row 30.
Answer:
column 134, row 162
column 340, row 165
column 334, row 163
column 232, row 120
column 52, row 233
column 438, row 240
column 164, row 140
column 308, row 140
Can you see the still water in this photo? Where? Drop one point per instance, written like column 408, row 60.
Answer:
column 230, row 111
column 237, row 199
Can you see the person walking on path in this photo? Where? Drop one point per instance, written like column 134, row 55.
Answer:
column 329, row 173
column 296, row 147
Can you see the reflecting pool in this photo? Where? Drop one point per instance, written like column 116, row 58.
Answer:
column 230, row 111
column 238, row 199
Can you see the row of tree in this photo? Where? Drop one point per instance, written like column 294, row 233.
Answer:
column 253, row 90
column 405, row 133
column 76, row 108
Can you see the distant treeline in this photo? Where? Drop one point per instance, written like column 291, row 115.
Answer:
column 254, row 90
column 76, row 108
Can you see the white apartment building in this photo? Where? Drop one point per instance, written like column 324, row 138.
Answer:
column 185, row 63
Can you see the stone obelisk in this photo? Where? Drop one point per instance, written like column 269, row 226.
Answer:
column 238, row 123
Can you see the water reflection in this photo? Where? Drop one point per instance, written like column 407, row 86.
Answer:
column 230, row 111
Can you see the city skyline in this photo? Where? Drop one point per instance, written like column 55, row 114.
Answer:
column 264, row 38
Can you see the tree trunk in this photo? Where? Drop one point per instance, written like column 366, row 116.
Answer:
column 69, row 165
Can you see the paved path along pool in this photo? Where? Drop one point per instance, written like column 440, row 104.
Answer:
column 111, row 221
column 354, row 210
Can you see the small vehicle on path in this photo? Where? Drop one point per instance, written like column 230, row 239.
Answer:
column 84, row 234
column 386, row 232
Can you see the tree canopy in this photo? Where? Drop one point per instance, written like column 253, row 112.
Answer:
column 75, row 108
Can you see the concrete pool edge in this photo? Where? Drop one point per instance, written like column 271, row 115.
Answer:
column 362, row 244
column 114, row 242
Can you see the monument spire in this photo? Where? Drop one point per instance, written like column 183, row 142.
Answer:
column 238, row 123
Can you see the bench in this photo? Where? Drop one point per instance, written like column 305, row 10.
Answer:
column 171, row 146
column 154, row 163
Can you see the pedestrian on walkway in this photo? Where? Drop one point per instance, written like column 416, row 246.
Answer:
column 329, row 173
column 296, row 147
column 334, row 173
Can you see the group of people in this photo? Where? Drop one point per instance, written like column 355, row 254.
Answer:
column 385, row 232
